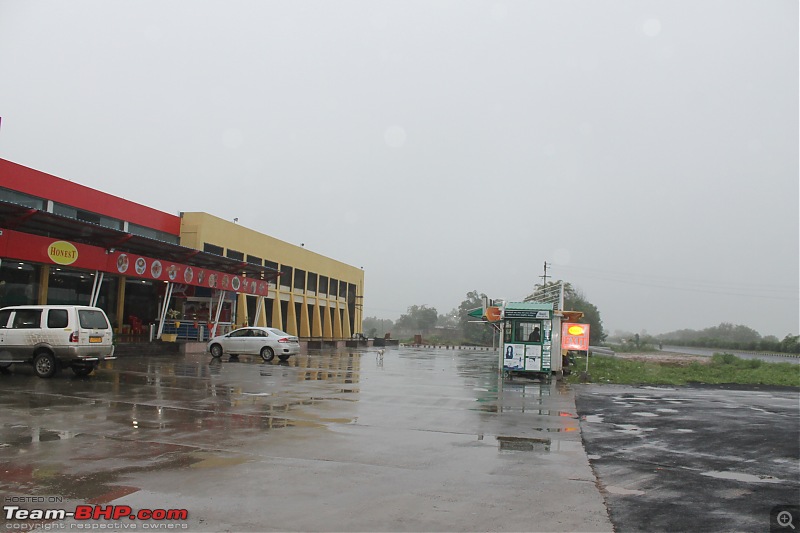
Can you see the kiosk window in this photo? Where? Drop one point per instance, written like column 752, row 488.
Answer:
column 528, row 332
column 507, row 332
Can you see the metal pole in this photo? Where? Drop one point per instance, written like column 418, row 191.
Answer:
column 167, row 297
column 98, row 282
column 213, row 332
column 259, row 299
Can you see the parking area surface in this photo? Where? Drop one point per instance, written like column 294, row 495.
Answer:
column 422, row 440
column 694, row 458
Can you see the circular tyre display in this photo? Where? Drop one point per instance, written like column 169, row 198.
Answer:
column 45, row 365
column 216, row 350
column 267, row 354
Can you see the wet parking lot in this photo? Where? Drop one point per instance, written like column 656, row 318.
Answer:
column 422, row 440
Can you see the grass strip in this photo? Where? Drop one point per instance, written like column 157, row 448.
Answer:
column 722, row 368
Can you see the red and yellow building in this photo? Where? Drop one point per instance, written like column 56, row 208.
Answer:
column 64, row 243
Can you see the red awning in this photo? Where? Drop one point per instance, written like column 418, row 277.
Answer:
column 34, row 221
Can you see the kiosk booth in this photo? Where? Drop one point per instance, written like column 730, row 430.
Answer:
column 530, row 338
column 531, row 334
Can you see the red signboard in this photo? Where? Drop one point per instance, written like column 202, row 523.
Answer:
column 46, row 250
column 574, row 336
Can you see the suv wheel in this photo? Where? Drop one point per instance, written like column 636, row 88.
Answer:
column 45, row 365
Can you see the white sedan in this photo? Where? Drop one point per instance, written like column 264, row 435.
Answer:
column 266, row 342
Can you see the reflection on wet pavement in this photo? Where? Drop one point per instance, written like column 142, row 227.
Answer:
column 98, row 438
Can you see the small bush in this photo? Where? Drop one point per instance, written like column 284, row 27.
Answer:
column 724, row 359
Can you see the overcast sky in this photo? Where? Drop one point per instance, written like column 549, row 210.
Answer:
column 647, row 149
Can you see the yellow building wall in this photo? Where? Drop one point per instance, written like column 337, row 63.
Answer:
column 200, row 228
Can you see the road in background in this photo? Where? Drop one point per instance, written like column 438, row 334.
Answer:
column 769, row 357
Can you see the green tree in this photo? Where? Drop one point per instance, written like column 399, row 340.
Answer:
column 474, row 333
column 418, row 319
column 574, row 300
column 377, row 327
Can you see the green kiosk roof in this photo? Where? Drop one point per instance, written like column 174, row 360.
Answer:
column 529, row 306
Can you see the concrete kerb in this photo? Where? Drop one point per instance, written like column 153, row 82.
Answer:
column 448, row 347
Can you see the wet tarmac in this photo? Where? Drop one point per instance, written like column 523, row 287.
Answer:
column 423, row 440
column 708, row 458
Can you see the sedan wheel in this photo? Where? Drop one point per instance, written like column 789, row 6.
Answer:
column 267, row 354
column 216, row 350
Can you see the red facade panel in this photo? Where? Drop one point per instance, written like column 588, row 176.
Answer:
column 36, row 183
column 57, row 252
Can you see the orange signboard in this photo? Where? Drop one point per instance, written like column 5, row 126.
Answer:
column 493, row 314
column 574, row 336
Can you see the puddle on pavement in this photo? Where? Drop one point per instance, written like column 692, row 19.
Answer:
column 96, row 487
column 739, row 476
column 620, row 491
column 524, row 444
column 632, row 429
column 18, row 435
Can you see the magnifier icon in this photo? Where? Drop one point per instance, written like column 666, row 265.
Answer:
column 785, row 519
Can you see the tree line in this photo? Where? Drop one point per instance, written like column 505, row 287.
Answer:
column 457, row 327
column 731, row 337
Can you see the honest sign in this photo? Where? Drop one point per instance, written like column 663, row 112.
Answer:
column 575, row 336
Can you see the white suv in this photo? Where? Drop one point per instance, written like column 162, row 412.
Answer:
column 52, row 336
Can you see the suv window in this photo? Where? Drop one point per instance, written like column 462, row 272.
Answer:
column 91, row 319
column 27, row 319
column 4, row 315
column 57, row 318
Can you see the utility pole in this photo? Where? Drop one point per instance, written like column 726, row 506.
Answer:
column 545, row 276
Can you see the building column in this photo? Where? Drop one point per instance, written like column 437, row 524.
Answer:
column 44, row 283
column 241, row 310
column 121, row 318
column 291, row 317
column 305, row 327
column 262, row 315
column 277, row 316
column 327, row 327
column 337, row 321
column 317, row 332
column 346, row 333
